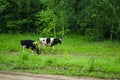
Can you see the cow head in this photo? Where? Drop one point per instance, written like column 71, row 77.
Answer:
column 37, row 47
column 59, row 41
column 56, row 41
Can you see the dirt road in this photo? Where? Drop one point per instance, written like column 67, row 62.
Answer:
column 29, row 76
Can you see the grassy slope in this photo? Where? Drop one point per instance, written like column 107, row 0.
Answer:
column 76, row 56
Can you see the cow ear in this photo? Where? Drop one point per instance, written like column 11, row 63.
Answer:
column 60, row 39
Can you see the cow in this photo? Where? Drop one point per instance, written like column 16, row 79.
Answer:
column 30, row 44
column 49, row 42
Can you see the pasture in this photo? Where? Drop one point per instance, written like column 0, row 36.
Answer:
column 76, row 56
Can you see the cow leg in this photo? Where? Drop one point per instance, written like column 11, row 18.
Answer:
column 53, row 49
column 44, row 50
column 32, row 48
column 38, row 51
column 43, row 47
column 23, row 47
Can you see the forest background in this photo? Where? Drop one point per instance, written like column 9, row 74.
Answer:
column 97, row 19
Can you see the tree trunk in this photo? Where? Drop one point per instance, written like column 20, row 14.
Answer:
column 54, row 32
column 63, row 32
column 111, row 35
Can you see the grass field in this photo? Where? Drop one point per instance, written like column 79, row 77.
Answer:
column 77, row 56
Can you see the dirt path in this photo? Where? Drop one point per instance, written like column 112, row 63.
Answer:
column 29, row 76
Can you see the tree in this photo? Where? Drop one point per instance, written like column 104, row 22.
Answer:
column 55, row 18
column 17, row 16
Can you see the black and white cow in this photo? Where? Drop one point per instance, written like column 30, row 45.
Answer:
column 30, row 44
column 49, row 42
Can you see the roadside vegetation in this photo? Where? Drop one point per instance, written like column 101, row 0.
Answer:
column 77, row 56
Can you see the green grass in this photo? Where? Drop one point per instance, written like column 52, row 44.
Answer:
column 75, row 57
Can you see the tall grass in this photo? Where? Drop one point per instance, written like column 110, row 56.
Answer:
column 70, row 44
column 105, row 67
column 82, row 45
column 76, row 56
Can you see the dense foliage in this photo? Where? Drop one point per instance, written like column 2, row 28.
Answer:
column 98, row 19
